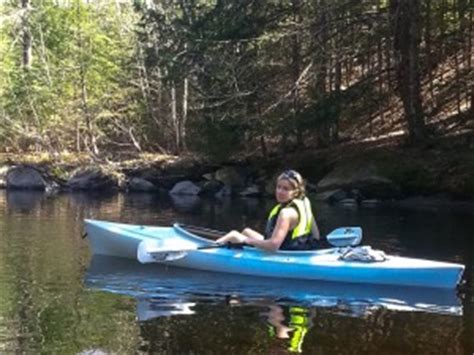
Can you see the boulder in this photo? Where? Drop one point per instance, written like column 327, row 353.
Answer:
column 136, row 184
column 370, row 203
column 93, row 179
column 331, row 196
column 231, row 176
column 365, row 179
column 348, row 202
column 185, row 188
column 27, row 178
column 211, row 187
column 224, row 192
column 186, row 203
column 251, row 191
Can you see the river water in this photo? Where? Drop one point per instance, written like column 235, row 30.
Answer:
column 56, row 298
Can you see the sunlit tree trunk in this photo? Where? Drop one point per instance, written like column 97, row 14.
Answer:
column 27, row 39
column 184, row 117
column 174, row 117
column 90, row 141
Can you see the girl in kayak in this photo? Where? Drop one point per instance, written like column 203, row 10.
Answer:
column 290, row 225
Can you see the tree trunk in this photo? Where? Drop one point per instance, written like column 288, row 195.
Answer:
column 458, row 84
column 27, row 39
column 295, row 69
column 405, row 21
column 78, row 137
column 430, row 63
column 174, row 117
column 184, row 117
column 469, row 59
column 90, row 142
column 380, row 75
column 321, row 39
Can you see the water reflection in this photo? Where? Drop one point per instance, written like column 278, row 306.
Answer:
column 168, row 289
column 149, row 308
column 45, row 306
column 24, row 201
column 185, row 203
column 290, row 323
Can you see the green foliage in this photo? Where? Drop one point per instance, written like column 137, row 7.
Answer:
column 80, row 58
column 327, row 109
column 151, row 75
column 218, row 140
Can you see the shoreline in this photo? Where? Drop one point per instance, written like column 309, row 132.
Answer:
column 439, row 176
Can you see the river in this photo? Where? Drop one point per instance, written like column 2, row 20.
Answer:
column 55, row 297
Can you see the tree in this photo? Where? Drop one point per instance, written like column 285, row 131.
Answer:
column 405, row 17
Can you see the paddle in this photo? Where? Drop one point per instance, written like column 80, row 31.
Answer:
column 345, row 236
column 202, row 231
column 153, row 250
column 150, row 251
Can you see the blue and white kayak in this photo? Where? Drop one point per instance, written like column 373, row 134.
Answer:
column 161, row 290
column 125, row 240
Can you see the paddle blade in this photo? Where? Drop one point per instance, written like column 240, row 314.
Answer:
column 144, row 248
column 154, row 251
column 345, row 236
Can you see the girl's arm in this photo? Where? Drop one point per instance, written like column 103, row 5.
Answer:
column 287, row 219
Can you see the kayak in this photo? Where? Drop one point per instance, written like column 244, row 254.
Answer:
column 124, row 240
column 161, row 290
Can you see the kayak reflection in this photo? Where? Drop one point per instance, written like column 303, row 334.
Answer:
column 162, row 290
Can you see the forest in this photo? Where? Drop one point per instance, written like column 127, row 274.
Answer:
column 226, row 77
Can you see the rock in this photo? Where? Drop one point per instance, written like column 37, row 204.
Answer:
column 25, row 200
column 224, row 192
column 251, row 191
column 364, row 180
column 25, row 177
column 185, row 188
column 211, row 187
column 141, row 185
column 231, row 176
column 92, row 179
column 185, row 203
column 311, row 187
column 349, row 202
column 208, row 177
column 331, row 196
column 370, row 203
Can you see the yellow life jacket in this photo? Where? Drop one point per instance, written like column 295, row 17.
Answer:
column 305, row 220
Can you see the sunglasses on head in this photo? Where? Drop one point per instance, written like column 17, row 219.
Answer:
column 291, row 174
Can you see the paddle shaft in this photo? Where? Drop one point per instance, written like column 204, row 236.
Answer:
column 204, row 247
column 158, row 255
column 202, row 231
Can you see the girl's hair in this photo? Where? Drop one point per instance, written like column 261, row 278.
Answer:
column 296, row 180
